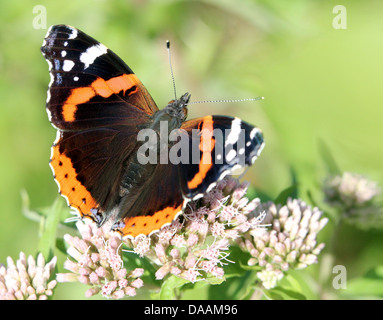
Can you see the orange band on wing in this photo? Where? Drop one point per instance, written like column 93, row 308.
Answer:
column 124, row 82
column 206, row 145
column 77, row 195
column 147, row 224
column 98, row 87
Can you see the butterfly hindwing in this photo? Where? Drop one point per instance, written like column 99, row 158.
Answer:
column 158, row 204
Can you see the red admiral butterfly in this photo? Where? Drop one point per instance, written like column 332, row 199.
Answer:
column 99, row 106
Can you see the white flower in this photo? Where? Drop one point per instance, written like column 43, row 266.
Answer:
column 355, row 197
column 196, row 246
column 289, row 243
column 269, row 278
column 27, row 279
column 99, row 263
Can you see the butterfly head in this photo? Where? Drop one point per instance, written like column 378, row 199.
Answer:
column 178, row 108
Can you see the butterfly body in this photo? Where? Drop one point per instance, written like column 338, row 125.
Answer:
column 117, row 158
column 137, row 176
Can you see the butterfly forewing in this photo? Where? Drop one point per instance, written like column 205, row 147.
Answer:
column 218, row 144
column 97, row 104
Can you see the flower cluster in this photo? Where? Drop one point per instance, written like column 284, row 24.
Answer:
column 99, row 263
column 355, row 197
column 27, row 279
column 197, row 247
column 290, row 243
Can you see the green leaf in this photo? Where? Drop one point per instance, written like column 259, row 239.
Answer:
column 300, row 282
column 246, row 288
column 285, row 194
column 311, row 198
column 364, row 287
column 27, row 212
column 213, row 280
column 240, row 258
column 272, row 295
column 376, row 273
column 253, row 193
column 61, row 245
column 49, row 227
column 368, row 286
column 288, row 288
column 281, row 293
column 328, row 159
column 169, row 286
column 234, row 288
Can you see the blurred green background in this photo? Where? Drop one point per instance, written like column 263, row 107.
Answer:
column 319, row 84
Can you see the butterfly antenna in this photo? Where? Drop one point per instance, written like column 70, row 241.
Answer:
column 227, row 100
column 171, row 69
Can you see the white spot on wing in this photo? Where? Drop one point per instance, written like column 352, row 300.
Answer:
column 235, row 131
column 231, row 155
column 253, row 133
column 68, row 65
column 92, row 53
column 63, row 53
column 211, row 187
column 74, row 34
